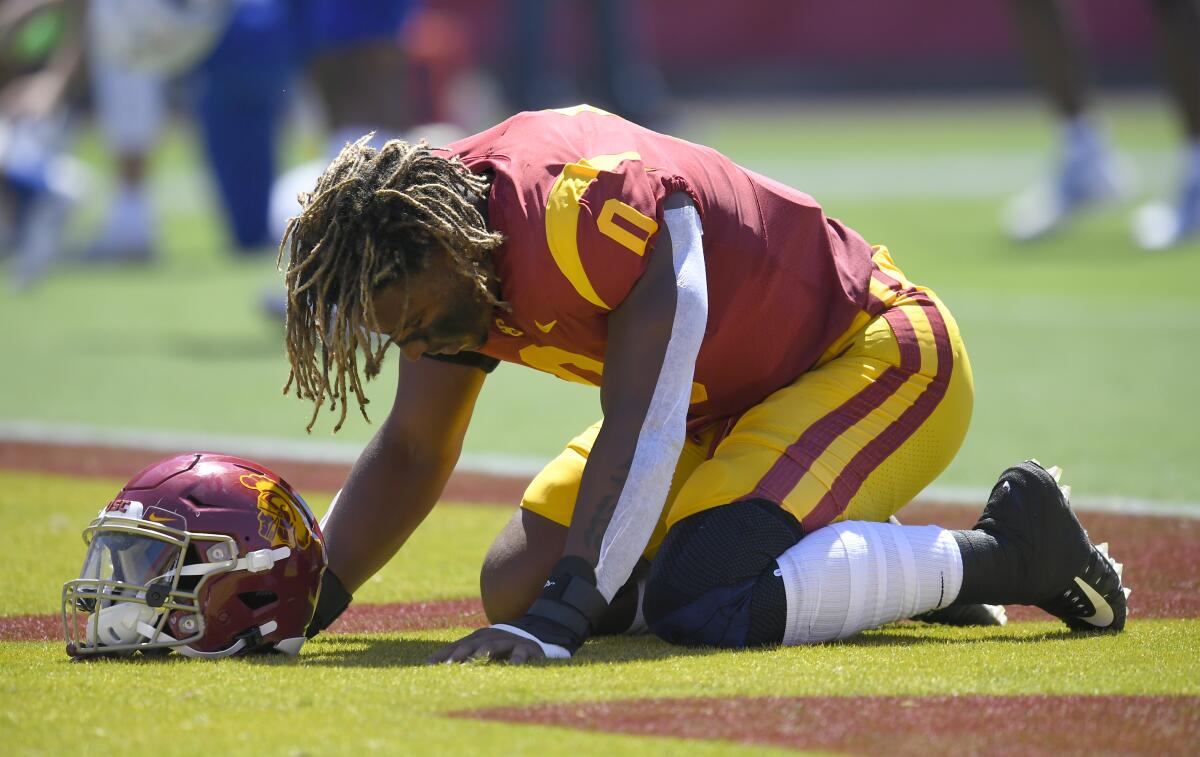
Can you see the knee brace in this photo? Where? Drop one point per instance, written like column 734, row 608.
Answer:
column 714, row 581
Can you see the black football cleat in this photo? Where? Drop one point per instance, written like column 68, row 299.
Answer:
column 1063, row 573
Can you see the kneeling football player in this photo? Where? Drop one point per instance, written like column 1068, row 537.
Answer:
column 773, row 389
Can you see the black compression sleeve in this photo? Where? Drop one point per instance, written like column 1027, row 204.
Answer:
column 332, row 601
column 470, row 359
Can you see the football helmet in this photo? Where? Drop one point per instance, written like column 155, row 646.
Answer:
column 208, row 554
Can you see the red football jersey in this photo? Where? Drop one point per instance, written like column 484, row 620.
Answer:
column 579, row 195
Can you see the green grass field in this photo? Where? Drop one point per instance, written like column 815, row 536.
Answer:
column 356, row 693
column 1083, row 351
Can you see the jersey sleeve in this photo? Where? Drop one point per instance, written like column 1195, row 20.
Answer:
column 602, row 216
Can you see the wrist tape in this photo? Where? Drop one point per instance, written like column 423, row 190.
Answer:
column 569, row 607
column 332, row 601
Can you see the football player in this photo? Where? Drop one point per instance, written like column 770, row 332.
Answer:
column 1089, row 172
column 773, row 389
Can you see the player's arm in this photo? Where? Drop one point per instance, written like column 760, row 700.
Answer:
column 398, row 477
column 653, row 339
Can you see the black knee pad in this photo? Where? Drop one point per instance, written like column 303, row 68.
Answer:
column 713, row 580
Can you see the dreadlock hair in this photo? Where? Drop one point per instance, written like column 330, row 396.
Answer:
column 375, row 216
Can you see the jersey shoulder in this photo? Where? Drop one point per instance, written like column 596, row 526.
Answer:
column 576, row 200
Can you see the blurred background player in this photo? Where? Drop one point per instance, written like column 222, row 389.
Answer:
column 129, row 46
column 242, row 82
column 613, row 72
column 129, row 105
column 1088, row 172
column 348, row 51
column 40, row 52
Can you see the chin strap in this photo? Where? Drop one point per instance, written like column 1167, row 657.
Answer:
column 147, row 630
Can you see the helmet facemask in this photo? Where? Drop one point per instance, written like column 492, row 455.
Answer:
column 141, row 585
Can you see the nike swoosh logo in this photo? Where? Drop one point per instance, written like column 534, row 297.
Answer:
column 1103, row 616
column 160, row 518
column 545, row 327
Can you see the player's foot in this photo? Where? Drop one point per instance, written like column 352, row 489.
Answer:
column 39, row 238
column 1089, row 174
column 127, row 235
column 1159, row 225
column 1062, row 572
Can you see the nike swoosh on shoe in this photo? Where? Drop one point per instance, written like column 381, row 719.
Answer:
column 1102, row 614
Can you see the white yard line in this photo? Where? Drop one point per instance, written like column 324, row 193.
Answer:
column 308, row 451
column 515, row 466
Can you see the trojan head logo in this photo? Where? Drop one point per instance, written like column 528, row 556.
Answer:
column 280, row 516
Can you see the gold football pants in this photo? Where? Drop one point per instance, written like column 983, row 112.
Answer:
column 878, row 417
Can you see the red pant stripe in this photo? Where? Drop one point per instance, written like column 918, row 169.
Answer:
column 870, row 457
column 800, row 456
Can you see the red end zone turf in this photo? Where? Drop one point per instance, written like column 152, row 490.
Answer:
column 1025, row 725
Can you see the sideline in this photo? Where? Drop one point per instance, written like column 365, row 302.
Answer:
column 322, row 465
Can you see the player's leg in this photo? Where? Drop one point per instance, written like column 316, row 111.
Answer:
column 792, row 466
column 715, row 582
column 1054, row 55
column 858, row 436
column 130, row 107
column 746, row 574
column 356, row 63
column 1087, row 170
column 855, row 438
column 240, row 97
column 1160, row 225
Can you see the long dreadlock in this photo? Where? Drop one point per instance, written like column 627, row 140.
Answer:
column 375, row 217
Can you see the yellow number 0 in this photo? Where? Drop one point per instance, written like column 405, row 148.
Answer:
column 614, row 208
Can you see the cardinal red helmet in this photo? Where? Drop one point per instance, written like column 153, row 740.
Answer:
column 211, row 555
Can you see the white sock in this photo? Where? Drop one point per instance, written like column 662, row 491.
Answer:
column 855, row 575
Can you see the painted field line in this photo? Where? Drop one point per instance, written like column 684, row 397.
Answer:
column 520, row 467
column 300, row 450
column 975, row 497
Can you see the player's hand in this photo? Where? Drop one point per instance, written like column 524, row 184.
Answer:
column 492, row 644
